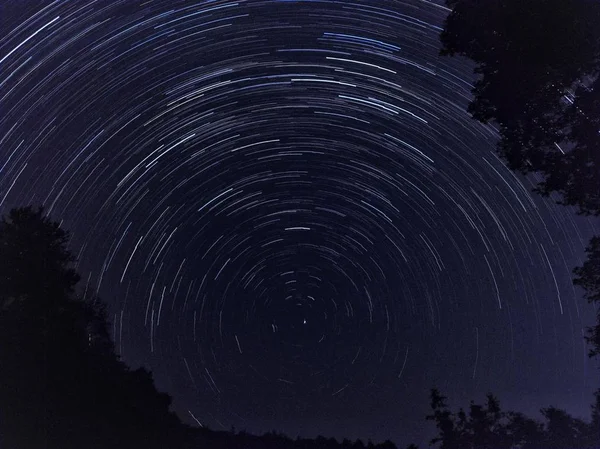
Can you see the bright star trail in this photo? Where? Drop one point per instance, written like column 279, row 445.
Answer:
column 291, row 216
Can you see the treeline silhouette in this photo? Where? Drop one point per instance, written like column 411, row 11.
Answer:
column 62, row 385
column 203, row 438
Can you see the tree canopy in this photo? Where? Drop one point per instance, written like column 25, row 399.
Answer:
column 538, row 80
column 537, row 66
column 61, row 383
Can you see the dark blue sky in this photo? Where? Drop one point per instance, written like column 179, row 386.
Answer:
column 295, row 223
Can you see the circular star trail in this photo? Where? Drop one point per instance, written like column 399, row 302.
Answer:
column 295, row 223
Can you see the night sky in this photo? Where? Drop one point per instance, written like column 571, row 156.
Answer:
column 291, row 216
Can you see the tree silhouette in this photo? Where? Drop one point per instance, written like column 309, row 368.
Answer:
column 538, row 68
column 61, row 384
column 537, row 63
column 35, row 261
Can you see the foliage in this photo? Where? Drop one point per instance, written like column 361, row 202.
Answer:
column 536, row 63
column 488, row 427
column 33, row 245
column 538, row 80
column 61, row 384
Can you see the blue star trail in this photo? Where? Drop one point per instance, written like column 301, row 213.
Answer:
column 294, row 221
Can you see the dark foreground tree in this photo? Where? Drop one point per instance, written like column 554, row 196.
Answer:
column 538, row 80
column 537, row 63
column 61, row 384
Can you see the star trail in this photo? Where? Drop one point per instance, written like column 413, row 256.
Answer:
column 293, row 219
